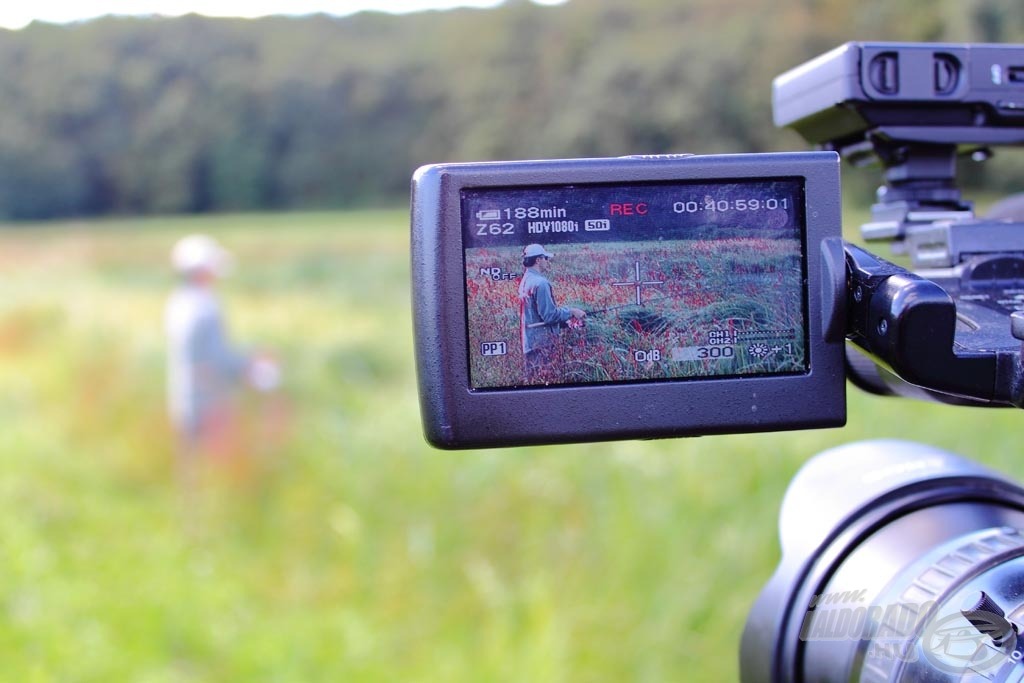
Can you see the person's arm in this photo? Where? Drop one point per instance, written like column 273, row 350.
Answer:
column 546, row 308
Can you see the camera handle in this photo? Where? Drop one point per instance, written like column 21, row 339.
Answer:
column 953, row 334
column 951, row 329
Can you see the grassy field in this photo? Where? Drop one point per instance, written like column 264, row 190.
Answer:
column 740, row 285
column 343, row 548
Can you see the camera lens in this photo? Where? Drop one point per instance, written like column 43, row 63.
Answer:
column 900, row 562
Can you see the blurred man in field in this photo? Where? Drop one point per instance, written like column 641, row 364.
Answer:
column 204, row 368
column 540, row 318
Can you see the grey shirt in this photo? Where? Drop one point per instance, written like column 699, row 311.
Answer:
column 539, row 316
column 202, row 366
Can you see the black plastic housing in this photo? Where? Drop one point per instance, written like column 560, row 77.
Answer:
column 934, row 93
column 882, row 518
column 456, row 416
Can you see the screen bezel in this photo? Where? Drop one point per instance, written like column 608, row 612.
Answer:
column 457, row 416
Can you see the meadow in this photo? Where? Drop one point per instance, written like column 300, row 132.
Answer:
column 690, row 288
column 343, row 548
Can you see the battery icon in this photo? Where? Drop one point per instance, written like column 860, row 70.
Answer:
column 489, row 215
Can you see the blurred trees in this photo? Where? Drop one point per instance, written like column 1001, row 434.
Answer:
column 193, row 114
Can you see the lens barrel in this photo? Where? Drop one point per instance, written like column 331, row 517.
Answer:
column 900, row 562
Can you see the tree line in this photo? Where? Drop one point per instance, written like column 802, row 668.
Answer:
column 158, row 115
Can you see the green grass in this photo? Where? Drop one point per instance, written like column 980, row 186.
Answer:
column 347, row 550
column 740, row 284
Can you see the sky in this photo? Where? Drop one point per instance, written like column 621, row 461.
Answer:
column 15, row 14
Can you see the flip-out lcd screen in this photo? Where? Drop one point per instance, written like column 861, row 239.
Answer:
column 594, row 284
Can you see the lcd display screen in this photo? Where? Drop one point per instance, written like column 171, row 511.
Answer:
column 591, row 284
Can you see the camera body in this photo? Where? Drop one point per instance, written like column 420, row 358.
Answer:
column 675, row 296
column 720, row 297
column 952, row 330
column 696, row 295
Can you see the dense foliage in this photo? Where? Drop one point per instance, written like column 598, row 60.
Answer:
column 193, row 114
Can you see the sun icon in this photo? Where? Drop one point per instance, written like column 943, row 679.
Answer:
column 758, row 350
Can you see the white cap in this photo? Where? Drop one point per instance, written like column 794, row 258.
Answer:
column 535, row 250
column 201, row 252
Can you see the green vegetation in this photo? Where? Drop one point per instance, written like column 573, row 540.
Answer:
column 739, row 285
column 344, row 549
column 341, row 548
column 155, row 116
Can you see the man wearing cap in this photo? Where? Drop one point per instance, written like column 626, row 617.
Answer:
column 540, row 318
column 204, row 368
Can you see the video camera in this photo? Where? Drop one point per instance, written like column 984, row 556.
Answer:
column 901, row 562
column 685, row 295
column 681, row 295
